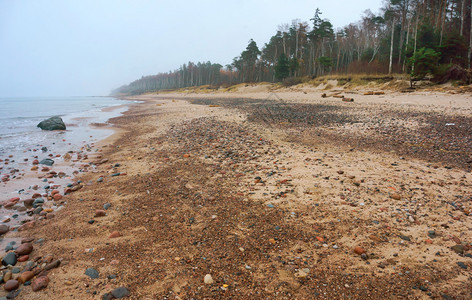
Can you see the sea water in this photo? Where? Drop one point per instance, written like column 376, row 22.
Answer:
column 19, row 118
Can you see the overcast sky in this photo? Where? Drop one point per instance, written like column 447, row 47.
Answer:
column 88, row 47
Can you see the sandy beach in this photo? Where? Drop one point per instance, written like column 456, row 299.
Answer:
column 263, row 193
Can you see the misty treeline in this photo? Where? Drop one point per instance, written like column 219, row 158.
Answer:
column 407, row 36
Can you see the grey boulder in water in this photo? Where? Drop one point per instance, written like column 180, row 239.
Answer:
column 53, row 123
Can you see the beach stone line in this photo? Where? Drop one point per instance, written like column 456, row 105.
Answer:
column 53, row 123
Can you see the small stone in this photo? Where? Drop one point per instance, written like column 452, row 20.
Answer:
column 92, row 273
column 106, row 206
column 208, row 279
column 114, row 234
column 100, row 213
column 8, row 275
column 301, row 274
column 11, row 285
column 26, row 276
column 24, row 249
column 404, row 237
column 459, row 249
column 359, row 250
column 23, row 258
column 47, row 162
column 52, row 265
column 9, row 259
column 39, row 283
column 120, row 292
column 462, row 265
column 395, row 196
column 432, row 234
column 4, row 229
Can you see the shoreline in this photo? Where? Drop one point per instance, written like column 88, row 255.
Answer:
column 207, row 188
column 24, row 184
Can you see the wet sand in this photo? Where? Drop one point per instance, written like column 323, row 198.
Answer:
column 275, row 197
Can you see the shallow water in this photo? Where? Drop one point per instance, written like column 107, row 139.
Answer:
column 20, row 116
column 21, row 142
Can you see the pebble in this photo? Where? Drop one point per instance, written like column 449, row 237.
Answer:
column 8, row 275
column 106, row 206
column 395, row 196
column 39, row 283
column 47, row 162
column 114, row 234
column 52, row 265
column 9, row 259
column 120, row 292
column 26, row 276
column 4, row 229
column 404, row 237
column 100, row 213
column 11, row 285
column 208, row 279
column 23, row 258
column 462, row 265
column 459, row 249
column 24, row 249
column 92, row 273
column 359, row 250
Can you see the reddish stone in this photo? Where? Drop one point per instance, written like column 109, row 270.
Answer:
column 359, row 250
column 100, row 213
column 57, row 197
column 39, row 283
column 11, row 285
column 23, row 258
column 35, row 162
column 24, row 249
column 114, row 234
column 26, row 276
column 9, row 204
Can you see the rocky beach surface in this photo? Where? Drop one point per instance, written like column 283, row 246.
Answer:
column 255, row 195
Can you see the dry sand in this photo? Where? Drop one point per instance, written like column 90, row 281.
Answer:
column 271, row 201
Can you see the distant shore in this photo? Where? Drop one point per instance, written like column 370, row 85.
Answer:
column 261, row 193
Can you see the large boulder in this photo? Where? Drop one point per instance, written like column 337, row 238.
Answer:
column 53, row 123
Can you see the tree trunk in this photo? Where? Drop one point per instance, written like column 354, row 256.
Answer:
column 391, row 48
column 470, row 38
column 406, row 44
column 442, row 22
column 462, row 17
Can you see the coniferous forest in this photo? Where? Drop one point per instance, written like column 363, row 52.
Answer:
column 422, row 38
